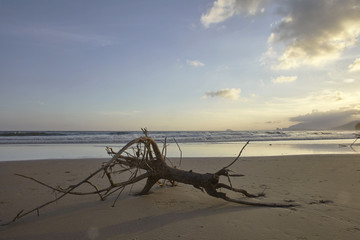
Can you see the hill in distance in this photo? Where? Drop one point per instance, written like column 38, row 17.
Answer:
column 354, row 125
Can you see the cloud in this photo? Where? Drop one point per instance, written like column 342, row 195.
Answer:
column 233, row 93
column 224, row 9
column 272, row 122
column 308, row 32
column 323, row 100
column 195, row 63
column 355, row 66
column 314, row 32
column 284, row 79
column 325, row 120
column 349, row 80
column 330, row 96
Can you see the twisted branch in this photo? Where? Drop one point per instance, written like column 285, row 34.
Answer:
column 144, row 154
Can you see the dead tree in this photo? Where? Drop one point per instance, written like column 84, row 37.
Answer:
column 142, row 159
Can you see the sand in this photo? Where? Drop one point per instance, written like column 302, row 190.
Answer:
column 326, row 186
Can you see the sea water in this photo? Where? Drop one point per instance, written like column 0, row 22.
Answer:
column 27, row 145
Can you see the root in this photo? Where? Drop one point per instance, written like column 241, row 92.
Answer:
column 143, row 155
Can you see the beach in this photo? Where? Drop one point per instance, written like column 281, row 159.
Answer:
column 194, row 120
column 326, row 187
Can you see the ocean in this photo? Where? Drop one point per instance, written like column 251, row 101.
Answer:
column 24, row 145
column 76, row 137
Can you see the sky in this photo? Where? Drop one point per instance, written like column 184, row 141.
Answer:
column 178, row 65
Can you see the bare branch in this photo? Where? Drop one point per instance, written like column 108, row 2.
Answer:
column 242, row 149
column 180, row 152
column 143, row 154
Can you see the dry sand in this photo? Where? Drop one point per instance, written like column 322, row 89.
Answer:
column 326, row 186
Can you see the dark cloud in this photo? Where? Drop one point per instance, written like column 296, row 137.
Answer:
column 308, row 32
column 315, row 32
column 273, row 122
column 325, row 120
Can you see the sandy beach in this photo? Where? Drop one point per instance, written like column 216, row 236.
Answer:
column 326, row 186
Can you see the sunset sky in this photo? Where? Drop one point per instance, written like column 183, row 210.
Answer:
column 178, row 65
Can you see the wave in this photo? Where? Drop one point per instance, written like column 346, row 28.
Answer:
column 26, row 133
column 73, row 137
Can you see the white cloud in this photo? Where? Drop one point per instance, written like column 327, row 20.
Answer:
column 349, row 80
column 323, row 100
column 195, row 63
column 355, row 66
column 314, row 32
column 309, row 33
column 284, row 79
column 224, row 9
column 331, row 96
column 220, row 11
column 233, row 93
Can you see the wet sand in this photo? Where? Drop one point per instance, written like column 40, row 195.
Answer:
column 326, row 186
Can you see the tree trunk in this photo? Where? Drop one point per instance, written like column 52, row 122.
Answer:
column 143, row 154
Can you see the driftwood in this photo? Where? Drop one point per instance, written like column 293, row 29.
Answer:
column 357, row 137
column 142, row 159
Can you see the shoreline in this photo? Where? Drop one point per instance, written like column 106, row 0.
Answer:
column 185, row 212
column 245, row 158
column 16, row 152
